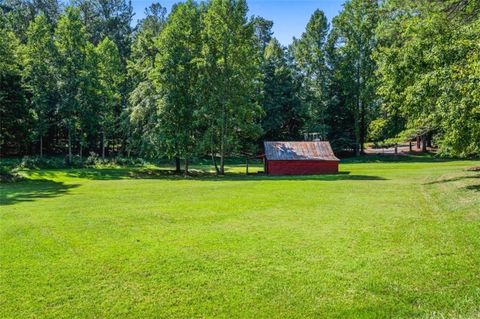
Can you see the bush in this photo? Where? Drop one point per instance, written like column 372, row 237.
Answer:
column 125, row 161
column 76, row 161
column 9, row 176
column 36, row 162
column 377, row 130
column 94, row 160
column 388, row 143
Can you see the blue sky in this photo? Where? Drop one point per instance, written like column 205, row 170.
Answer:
column 289, row 16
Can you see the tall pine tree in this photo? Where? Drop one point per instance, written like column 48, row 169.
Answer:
column 355, row 29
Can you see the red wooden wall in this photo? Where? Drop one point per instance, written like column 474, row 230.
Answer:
column 301, row 167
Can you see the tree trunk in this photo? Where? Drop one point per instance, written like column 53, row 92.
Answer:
column 222, row 164
column 429, row 141
column 410, row 146
column 357, row 141
column 177, row 165
column 396, row 149
column 357, row 136
column 185, row 173
column 69, row 145
column 424, row 143
column 41, row 146
column 103, row 145
column 418, row 142
column 214, row 162
column 362, row 128
column 222, row 143
column 357, row 111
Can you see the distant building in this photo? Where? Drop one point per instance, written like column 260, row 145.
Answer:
column 300, row 158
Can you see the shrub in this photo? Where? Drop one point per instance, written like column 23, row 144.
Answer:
column 9, row 176
column 93, row 159
column 76, row 161
column 36, row 162
column 125, row 161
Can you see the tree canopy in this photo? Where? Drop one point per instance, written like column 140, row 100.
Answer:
column 207, row 80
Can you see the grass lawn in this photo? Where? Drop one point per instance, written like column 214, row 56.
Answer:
column 379, row 240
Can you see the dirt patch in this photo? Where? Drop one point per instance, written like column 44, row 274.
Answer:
column 474, row 169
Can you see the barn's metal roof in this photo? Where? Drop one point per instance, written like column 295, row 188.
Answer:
column 299, row 151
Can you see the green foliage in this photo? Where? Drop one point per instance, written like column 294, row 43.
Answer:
column 283, row 118
column 176, row 79
column 38, row 162
column 214, row 82
column 71, row 43
column 354, row 36
column 262, row 29
column 94, row 160
column 141, row 115
column 111, row 78
column 15, row 116
column 18, row 14
column 39, row 76
column 377, row 130
column 230, row 79
column 309, row 56
column 428, row 71
column 107, row 19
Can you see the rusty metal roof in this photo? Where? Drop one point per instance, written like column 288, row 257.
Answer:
column 299, row 151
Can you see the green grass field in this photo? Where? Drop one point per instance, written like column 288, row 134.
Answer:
column 379, row 240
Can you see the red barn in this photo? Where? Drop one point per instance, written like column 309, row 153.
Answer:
column 299, row 158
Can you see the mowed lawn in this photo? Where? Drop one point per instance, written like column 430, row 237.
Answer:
column 379, row 240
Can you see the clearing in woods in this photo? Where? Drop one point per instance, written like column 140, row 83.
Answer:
column 380, row 239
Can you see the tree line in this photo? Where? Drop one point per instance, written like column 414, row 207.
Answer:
column 208, row 80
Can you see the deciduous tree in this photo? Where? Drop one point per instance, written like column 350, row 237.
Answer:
column 176, row 77
column 39, row 76
column 71, row 43
column 230, row 78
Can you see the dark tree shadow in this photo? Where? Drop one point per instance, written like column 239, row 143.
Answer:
column 30, row 190
column 473, row 187
column 341, row 176
column 200, row 175
column 453, row 179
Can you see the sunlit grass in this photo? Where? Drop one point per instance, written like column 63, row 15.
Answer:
column 387, row 239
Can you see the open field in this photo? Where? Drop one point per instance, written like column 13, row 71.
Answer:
column 380, row 239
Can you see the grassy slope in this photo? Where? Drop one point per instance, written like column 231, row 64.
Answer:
column 380, row 240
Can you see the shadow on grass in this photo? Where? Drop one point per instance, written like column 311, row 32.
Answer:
column 198, row 175
column 30, row 190
column 453, row 179
column 475, row 187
